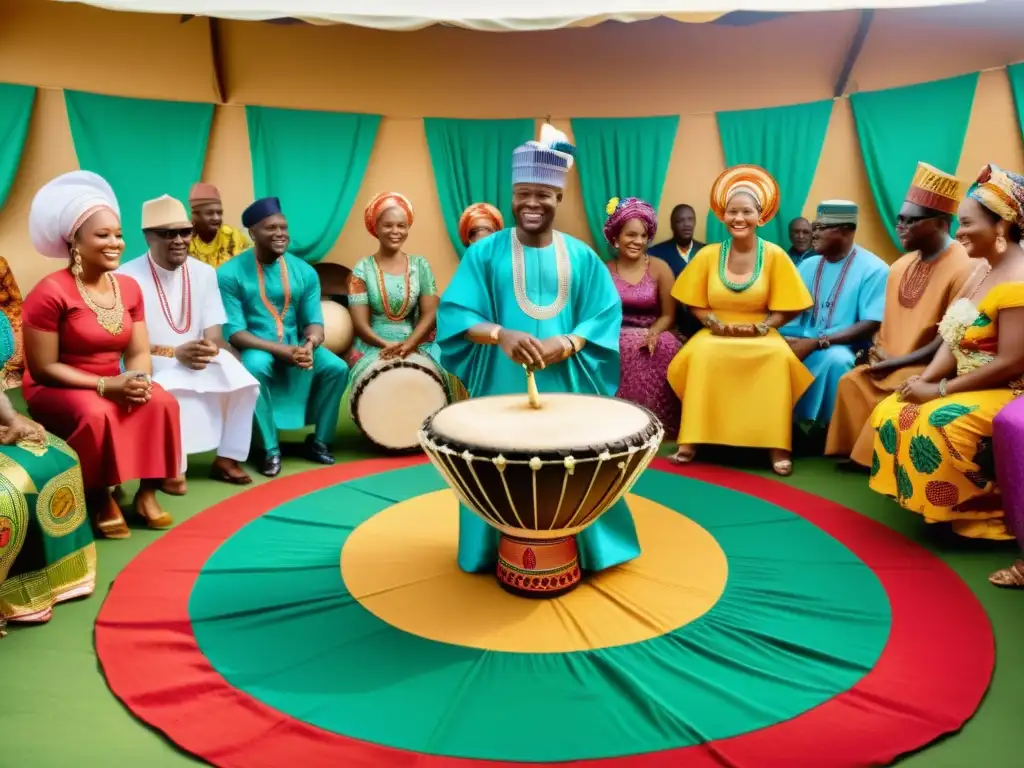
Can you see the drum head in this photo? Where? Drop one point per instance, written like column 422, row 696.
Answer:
column 563, row 422
column 391, row 407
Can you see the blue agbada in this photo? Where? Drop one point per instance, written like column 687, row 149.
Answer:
column 481, row 291
column 860, row 297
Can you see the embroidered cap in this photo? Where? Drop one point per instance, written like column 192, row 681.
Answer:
column 935, row 189
column 837, row 212
column 260, row 210
column 546, row 161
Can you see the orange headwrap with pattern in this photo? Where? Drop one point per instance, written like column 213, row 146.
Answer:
column 381, row 203
column 479, row 211
column 749, row 179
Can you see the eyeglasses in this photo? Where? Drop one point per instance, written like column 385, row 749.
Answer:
column 909, row 221
column 816, row 227
column 171, row 234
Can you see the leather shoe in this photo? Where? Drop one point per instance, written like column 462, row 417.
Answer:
column 271, row 465
column 317, row 451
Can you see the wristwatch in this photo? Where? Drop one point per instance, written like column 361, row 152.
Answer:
column 495, row 333
column 762, row 329
column 823, row 342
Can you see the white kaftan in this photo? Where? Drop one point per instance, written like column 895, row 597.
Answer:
column 217, row 403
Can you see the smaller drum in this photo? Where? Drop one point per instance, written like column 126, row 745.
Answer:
column 391, row 399
column 338, row 331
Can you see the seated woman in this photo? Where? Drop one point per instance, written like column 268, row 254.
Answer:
column 47, row 554
column 392, row 296
column 738, row 378
column 79, row 324
column 933, row 439
column 644, row 283
column 12, row 356
column 478, row 221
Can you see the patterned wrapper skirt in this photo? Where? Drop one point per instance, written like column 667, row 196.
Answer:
column 47, row 554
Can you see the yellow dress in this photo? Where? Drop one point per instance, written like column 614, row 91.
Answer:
column 936, row 457
column 739, row 391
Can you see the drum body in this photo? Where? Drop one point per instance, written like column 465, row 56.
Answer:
column 338, row 330
column 391, row 398
column 541, row 476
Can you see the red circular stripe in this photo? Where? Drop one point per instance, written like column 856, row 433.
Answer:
column 929, row 680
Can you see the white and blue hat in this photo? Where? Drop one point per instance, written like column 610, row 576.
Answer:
column 546, row 161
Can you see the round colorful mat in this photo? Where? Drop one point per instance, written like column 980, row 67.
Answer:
column 322, row 617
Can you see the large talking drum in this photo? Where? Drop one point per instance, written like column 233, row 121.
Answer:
column 338, row 329
column 391, row 398
column 540, row 475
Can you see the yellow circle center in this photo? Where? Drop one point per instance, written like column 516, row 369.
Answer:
column 401, row 566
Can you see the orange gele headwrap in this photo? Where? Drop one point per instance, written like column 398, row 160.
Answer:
column 754, row 181
column 479, row 211
column 381, row 203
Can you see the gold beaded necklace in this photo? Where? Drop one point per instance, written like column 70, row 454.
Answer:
column 111, row 319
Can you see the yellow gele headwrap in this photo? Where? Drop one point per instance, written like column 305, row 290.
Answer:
column 935, row 189
column 381, row 203
column 754, row 181
column 479, row 211
column 1001, row 192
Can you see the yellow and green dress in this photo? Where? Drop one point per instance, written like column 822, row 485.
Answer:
column 936, row 459
column 47, row 554
column 739, row 391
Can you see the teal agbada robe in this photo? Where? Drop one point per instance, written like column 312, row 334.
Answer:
column 481, row 291
column 290, row 397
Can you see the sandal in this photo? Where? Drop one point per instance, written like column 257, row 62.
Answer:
column 113, row 529
column 1009, row 578
column 782, row 467
column 683, row 456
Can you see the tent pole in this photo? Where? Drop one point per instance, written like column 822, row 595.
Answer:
column 866, row 17
column 218, row 66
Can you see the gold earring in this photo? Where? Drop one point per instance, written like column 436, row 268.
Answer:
column 1000, row 245
column 76, row 268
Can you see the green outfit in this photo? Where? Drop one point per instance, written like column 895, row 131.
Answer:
column 47, row 554
column 290, row 397
column 366, row 290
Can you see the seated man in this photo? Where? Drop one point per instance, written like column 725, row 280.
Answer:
column 272, row 302
column 213, row 241
column 216, row 395
column 920, row 286
column 847, row 284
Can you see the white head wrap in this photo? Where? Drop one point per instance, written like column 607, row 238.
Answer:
column 62, row 206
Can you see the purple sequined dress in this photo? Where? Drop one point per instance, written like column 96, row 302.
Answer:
column 1008, row 440
column 644, row 376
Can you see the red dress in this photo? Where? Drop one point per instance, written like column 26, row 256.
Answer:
column 113, row 445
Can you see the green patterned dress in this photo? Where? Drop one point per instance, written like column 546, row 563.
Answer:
column 370, row 286
column 47, row 554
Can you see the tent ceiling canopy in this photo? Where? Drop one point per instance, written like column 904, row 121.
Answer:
column 496, row 15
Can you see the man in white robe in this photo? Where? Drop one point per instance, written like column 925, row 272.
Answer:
column 191, row 360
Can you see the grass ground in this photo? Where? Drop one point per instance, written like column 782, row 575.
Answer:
column 56, row 710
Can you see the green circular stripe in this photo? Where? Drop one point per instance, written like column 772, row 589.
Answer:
column 801, row 620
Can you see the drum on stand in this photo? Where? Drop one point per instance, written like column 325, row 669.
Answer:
column 541, row 475
column 391, row 399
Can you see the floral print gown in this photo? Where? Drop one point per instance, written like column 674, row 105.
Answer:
column 936, row 459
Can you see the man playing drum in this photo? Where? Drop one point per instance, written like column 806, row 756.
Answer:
column 551, row 306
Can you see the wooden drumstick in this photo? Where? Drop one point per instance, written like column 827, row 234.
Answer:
column 531, row 388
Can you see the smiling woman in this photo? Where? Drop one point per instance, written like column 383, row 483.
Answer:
column 79, row 325
column 742, row 290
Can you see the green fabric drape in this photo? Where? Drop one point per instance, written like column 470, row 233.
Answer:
column 314, row 162
column 472, row 161
column 144, row 148
column 621, row 157
column 15, row 115
column 1015, row 72
column 786, row 142
column 900, row 127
